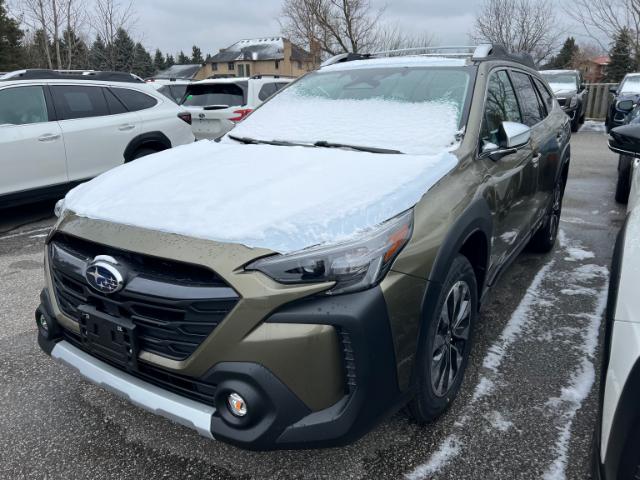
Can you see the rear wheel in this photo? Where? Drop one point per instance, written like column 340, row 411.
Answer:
column 623, row 187
column 445, row 343
column 143, row 152
column 544, row 239
column 575, row 124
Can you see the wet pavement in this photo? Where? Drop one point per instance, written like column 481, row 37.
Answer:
column 526, row 410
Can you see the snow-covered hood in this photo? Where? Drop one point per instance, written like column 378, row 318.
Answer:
column 280, row 198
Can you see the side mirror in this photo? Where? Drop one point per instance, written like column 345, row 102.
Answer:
column 511, row 136
column 613, row 89
column 625, row 140
column 625, row 105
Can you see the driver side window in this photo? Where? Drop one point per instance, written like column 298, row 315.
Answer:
column 501, row 106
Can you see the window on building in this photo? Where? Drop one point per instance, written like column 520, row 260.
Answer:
column 214, row 67
column 231, row 66
column 277, row 64
column 299, row 65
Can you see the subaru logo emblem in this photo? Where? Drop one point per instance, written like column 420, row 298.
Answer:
column 201, row 116
column 103, row 275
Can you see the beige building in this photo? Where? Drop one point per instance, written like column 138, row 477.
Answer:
column 260, row 56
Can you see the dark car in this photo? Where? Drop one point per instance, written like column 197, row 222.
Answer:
column 569, row 88
column 623, row 187
column 624, row 97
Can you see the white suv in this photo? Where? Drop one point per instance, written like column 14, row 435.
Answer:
column 217, row 105
column 58, row 130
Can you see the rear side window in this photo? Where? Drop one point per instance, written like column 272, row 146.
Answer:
column 501, row 106
column 547, row 98
column 267, row 90
column 173, row 92
column 134, row 100
column 79, row 101
column 22, row 106
column 115, row 105
column 215, row 94
column 531, row 114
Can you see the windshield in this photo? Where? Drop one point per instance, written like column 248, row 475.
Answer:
column 412, row 110
column 630, row 85
column 561, row 81
column 209, row 94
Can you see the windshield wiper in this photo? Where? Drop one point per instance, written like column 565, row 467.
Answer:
column 325, row 144
column 255, row 141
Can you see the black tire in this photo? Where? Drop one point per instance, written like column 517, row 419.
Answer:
column 623, row 187
column 544, row 239
column 448, row 343
column 582, row 119
column 143, row 152
column 575, row 124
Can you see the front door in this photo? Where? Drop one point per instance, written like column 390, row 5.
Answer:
column 32, row 153
column 511, row 180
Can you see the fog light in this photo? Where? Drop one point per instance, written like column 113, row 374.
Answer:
column 237, row 405
column 43, row 324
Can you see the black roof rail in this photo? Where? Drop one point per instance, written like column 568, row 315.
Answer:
column 43, row 74
column 257, row 77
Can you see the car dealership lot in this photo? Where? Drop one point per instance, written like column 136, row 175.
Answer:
column 526, row 410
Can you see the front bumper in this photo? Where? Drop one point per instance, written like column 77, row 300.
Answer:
column 279, row 418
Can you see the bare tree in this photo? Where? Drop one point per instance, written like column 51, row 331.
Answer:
column 110, row 16
column 527, row 26
column 394, row 37
column 35, row 14
column 336, row 26
column 602, row 20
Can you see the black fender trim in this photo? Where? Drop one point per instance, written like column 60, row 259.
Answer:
column 146, row 139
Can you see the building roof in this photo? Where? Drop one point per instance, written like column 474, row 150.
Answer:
column 268, row 48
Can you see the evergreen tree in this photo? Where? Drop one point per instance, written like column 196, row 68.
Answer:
column 158, row 61
column 621, row 56
column 566, row 55
column 33, row 51
column 98, row 55
column 11, row 57
column 183, row 59
column 123, row 54
column 143, row 63
column 196, row 55
column 169, row 61
column 75, row 54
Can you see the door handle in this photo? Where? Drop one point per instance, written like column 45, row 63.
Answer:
column 49, row 137
column 126, row 127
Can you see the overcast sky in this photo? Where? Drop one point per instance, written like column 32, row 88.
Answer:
column 213, row 24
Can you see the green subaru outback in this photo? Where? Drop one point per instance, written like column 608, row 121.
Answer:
column 322, row 265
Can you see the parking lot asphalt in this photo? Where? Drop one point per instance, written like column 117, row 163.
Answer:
column 526, row 410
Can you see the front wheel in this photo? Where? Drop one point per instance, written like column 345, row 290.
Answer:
column 544, row 239
column 445, row 343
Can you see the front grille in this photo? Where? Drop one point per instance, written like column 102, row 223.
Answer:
column 175, row 306
column 194, row 389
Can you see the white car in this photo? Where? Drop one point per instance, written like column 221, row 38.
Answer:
column 58, row 130
column 617, row 434
column 216, row 105
column 173, row 89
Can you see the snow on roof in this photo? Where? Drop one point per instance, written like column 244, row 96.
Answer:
column 268, row 48
column 400, row 61
column 280, row 198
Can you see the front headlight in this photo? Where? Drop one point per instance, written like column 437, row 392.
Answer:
column 353, row 265
column 574, row 101
column 58, row 210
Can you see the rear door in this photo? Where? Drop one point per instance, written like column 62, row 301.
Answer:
column 215, row 107
column 32, row 153
column 96, row 126
column 546, row 131
column 511, row 180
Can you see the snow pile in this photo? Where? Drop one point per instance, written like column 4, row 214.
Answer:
column 577, row 253
column 421, row 128
column 279, row 198
column 593, row 126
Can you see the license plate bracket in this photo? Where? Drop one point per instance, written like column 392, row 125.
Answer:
column 109, row 337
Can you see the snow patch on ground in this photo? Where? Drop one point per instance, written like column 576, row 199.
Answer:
column 265, row 196
column 578, row 291
column 449, row 449
column 577, row 390
column 485, row 387
column 593, row 126
column 518, row 321
column 498, row 422
column 578, row 254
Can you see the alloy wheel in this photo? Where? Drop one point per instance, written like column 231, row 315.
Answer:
column 554, row 215
column 452, row 335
